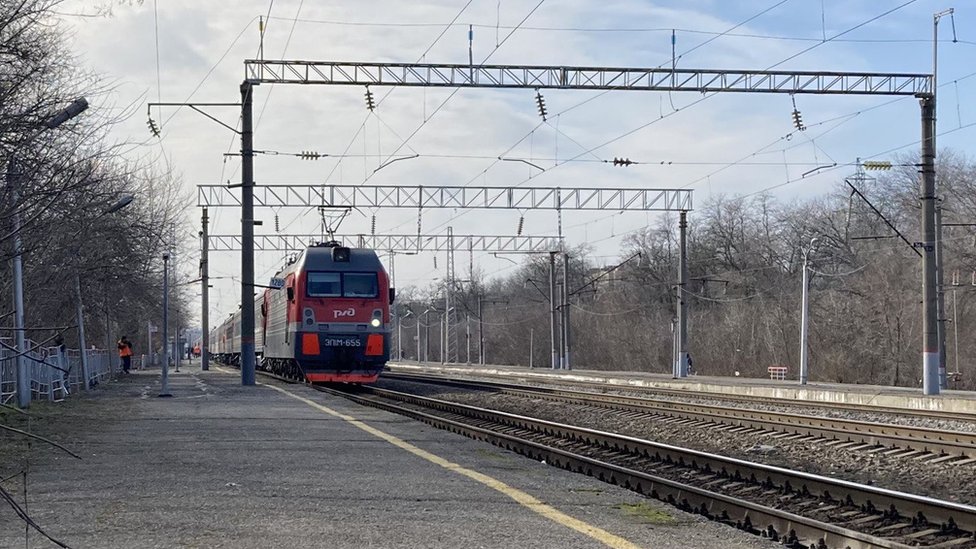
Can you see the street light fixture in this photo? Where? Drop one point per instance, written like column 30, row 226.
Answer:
column 124, row 201
column 13, row 182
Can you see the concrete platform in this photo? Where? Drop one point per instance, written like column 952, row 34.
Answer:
column 872, row 395
column 220, row 465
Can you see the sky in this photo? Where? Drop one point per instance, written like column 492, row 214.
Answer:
column 723, row 145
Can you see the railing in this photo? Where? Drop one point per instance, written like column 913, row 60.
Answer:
column 54, row 373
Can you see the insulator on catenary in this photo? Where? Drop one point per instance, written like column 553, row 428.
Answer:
column 520, row 224
column 370, row 104
column 797, row 118
column 876, row 165
column 798, row 121
column 623, row 162
column 277, row 224
column 541, row 103
column 372, row 229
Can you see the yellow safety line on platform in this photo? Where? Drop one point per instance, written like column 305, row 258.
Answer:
column 519, row 496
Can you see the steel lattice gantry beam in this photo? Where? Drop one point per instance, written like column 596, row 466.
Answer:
column 583, row 78
column 395, row 242
column 334, row 73
column 394, row 196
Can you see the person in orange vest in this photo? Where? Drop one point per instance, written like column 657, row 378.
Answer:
column 125, row 353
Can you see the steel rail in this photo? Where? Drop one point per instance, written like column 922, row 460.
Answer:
column 923, row 439
column 540, row 377
column 755, row 517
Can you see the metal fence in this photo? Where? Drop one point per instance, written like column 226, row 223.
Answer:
column 55, row 373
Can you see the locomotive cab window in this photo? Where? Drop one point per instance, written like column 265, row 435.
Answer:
column 324, row 285
column 359, row 285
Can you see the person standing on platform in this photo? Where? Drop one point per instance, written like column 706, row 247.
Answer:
column 125, row 353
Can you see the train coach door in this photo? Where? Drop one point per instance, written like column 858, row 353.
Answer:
column 265, row 307
column 290, row 297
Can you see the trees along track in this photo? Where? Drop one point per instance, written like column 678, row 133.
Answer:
column 928, row 444
column 795, row 508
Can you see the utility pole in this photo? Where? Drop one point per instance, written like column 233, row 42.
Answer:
column 467, row 338
column 940, row 286
column 955, row 328
column 445, row 355
column 450, row 328
column 247, row 235
column 567, row 329
column 930, row 300
column 553, row 320
column 804, row 313
column 205, row 296
column 177, row 348
column 560, row 291
column 481, row 332
column 939, row 265
column 674, row 348
column 398, row 354
column 682, row 369
column 426, row 335
column 164, row 388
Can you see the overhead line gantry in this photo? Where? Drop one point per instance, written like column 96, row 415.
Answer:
column 339, row 73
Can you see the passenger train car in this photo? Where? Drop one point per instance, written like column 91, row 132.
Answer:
column 329, row 323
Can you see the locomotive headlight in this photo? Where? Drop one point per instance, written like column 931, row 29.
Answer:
column 375, row 323
column 377, row 318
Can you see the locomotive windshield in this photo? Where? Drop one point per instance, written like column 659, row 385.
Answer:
column 323, row 284
column 359, row 284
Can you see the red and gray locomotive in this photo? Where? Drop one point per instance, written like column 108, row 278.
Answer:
column 328, row 323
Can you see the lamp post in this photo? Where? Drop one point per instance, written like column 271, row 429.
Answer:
column 426, row 315
column 13, row 181
column 124, row 201
column 399, row 353
column 395, row 311
column 164, row 388
column 804, row 312
column 482, row 352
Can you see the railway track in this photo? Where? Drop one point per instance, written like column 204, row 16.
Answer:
column 742, row 399
column 924, row 444
column 795, row 508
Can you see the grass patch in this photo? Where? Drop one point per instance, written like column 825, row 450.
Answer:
column 646, row 513
column 63, row 422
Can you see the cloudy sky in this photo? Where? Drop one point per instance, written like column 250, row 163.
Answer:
column 727, row 144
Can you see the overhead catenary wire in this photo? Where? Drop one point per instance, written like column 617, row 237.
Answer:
column 703, row 98
column 619, row 30
column 456, row 90
column 389, row 91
